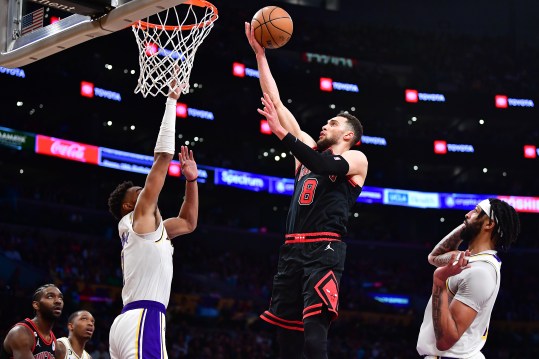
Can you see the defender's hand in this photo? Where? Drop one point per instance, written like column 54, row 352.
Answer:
column 188, row 164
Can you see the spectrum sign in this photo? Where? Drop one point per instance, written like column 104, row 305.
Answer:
column 413, row 96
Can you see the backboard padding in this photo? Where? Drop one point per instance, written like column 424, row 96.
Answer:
column 70, row 31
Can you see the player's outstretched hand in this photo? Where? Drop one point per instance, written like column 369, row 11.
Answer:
column 250, row 33
column 270, row 113
column 175, row 88
column 188, row 164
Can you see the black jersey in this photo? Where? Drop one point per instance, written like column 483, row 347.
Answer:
column 42, row 349
column 321, row 203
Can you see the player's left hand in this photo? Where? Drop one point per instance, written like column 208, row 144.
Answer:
column 250, row 33
column 188, row 164
column 455, row 266
column 270, row 113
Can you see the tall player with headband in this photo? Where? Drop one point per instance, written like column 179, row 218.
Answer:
column 466, row 284
column 305, row 295
column 139, row 331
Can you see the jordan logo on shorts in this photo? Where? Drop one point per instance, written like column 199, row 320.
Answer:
column 329, row 247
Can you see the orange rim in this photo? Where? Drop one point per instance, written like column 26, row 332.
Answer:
column 201, row 3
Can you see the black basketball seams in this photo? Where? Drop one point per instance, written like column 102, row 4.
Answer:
column 263, row 19
column 269, row 32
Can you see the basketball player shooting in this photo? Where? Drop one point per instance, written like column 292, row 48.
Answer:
column 305, row 295
column 139, row 331
column 466, row 284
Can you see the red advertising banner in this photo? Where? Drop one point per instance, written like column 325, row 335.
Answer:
column 522, row 204
column 68, row 150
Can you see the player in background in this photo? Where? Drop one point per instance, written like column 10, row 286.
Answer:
column 139, row 331
column 466, row 284
column 33, row 338
column 81, row 325
column 328, row 181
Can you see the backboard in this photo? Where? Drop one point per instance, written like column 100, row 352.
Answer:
column 34, row 29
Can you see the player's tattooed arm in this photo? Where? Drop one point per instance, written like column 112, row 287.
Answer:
column 441, row 254
column 436, row 311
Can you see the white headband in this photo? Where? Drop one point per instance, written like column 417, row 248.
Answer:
column 485, row 206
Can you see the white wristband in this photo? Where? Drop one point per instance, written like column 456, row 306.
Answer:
column 165, row 140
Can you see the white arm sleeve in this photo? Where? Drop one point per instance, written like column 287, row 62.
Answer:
column 165, row 139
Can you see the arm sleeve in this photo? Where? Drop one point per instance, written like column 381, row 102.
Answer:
column 165, row 139
column 478, row 286
column 323, row 165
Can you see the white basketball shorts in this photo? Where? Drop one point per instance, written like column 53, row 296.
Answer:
column 139, row 332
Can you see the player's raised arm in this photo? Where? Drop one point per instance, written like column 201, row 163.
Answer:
column 350, row 163
column 187, row 219
column 269, row 86
column 450, row 320
column 448, row 246
column 146, row 216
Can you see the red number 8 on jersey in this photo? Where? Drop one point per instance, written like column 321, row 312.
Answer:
column 306, row 196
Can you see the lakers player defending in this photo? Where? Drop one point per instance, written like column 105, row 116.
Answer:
column 139, row 331
column 81, row 326
column 466, row 284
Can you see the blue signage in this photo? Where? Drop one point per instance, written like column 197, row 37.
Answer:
column 125, row 161
column 243, row 180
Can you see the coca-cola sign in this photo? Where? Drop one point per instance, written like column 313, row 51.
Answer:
column 74, row 151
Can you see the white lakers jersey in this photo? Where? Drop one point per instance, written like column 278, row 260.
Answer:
column 477, row 287
column 146, row 263
column 70, row 353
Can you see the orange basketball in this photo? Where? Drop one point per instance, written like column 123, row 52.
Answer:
column 273, row 27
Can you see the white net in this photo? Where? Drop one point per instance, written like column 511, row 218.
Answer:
column 167, row 44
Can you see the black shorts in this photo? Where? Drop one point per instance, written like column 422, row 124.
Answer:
column 306, row 283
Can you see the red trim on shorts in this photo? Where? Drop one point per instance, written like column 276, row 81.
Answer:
column 311, row 240
column 267, row 316
column 335, row 313
column 311, row 310
column 270, row 314
column 311, row 314
column 311, row 234
column 310, row 307
column 312, row 237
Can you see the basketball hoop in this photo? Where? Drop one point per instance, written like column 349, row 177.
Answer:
column 167, row 43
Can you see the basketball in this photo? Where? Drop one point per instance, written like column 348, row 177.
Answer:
column 272, row 27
